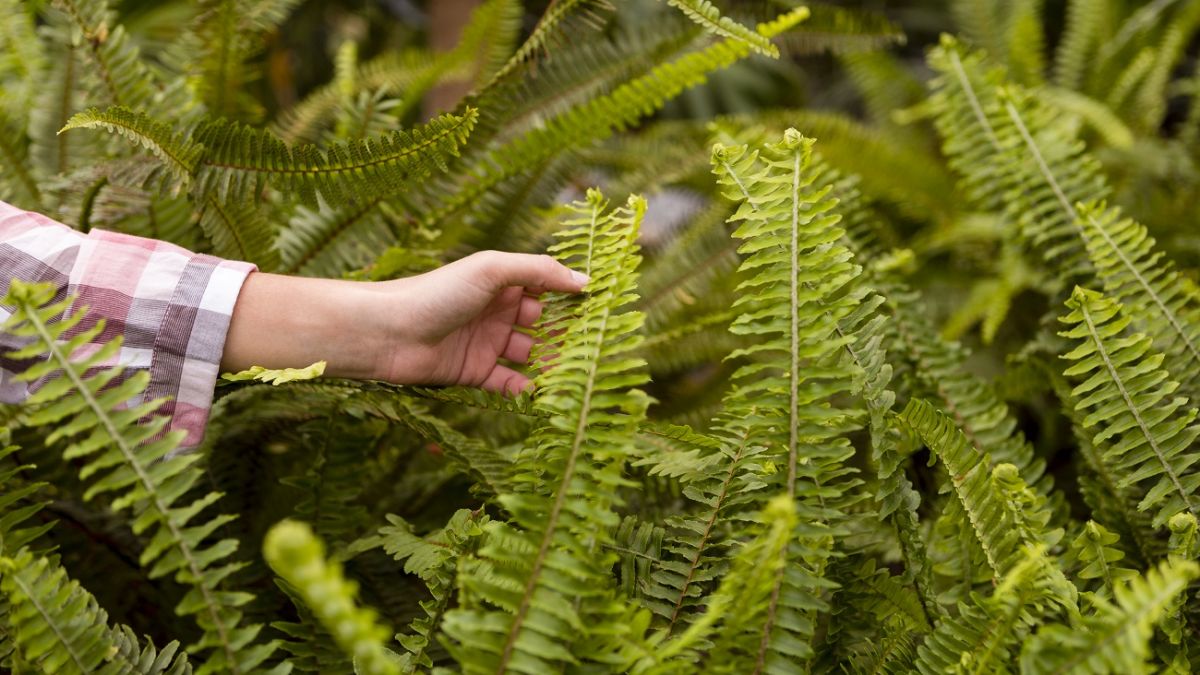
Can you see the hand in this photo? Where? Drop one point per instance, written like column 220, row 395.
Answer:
column 453, row 325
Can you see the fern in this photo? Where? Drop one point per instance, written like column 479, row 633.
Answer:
column 59, row 628
column 1144, row 432
column 124, row 79
column 297, row 556
column 234, row 161
column 1115, row 639
column 1098, row 559
column 707, row 15
column 133, row 462
column 568, row 471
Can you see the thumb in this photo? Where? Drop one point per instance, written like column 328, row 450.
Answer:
column 500, row 270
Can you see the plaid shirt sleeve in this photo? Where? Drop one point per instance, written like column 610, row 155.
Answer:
column 171, row 306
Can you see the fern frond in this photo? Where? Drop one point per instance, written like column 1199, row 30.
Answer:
column 794, row 292
column 542, row 593
column 983, row 637
column 549, row 25
column 708, row 16
column 601, row 116
column 234, row 161
column 1144, row 432
column 1081, row 38
column 841, row 30
column 239, row 230
column 1003, row 512
column 1098, row 559
column 17, row 182
column 18, row 503
column 133, row 463
column 124, row 78
column 58, row 627
column 298, row 557
column 435, row 558
column 1146, row 284
column 1115, row 639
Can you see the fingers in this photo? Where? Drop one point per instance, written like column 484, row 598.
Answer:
column 525, row 269
column 529, row 312
column 506, row 381
column 519, row 346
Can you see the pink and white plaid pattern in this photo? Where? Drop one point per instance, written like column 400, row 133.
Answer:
column 171, row 305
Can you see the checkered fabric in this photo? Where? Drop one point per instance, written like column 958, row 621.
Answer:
column 171, row 307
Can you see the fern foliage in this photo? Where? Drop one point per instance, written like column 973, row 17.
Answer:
column 129, row 463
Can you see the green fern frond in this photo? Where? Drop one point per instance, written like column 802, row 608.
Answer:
column 239, row 230
column 234, row 161
column 738, row 602
column 705, row 14
column 18, row 503
column 839, row 30
column 1115, row 639
column 1098, row 559
column 58, row 627
column 543, row 35
column 983, row 637
column 1085, row 23
column 17, row 182
column 435, row 558
column 330, row 241
column 541, row 593
column 1146, row 284
column 794, row 292
column 1003, row 512
column 124, row 78
column 1144, row 432
column 135, row 464
column 601, row 116
column 298, row 557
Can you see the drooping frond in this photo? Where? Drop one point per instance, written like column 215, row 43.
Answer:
column 541, row 594
column 133, row 463
column 298, row 557
column 603, row 115
column 58, row 627
column 1081, row 38
column 1114, row 639
column 708, row 16
column 435, row 559
column 1142, row 429
column 543, row 36
column 1003, row 512
column 234, row 161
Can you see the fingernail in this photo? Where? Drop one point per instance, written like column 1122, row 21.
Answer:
column 580, row 278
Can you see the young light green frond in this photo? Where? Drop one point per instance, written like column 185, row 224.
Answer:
column 298, row 557
column 708, row 16
column 1003, row 512
column 58, row 627
column 983, row 638
column 1139, row 276
column 134, row 464
column 1098, row 559
column 1143, row 430
column 541, row 594
column 1116, row 638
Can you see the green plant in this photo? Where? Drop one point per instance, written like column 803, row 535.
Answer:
column 755, row 445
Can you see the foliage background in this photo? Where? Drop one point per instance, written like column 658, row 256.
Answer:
column 860, row 87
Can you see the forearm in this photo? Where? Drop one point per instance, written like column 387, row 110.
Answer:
column 292, row 322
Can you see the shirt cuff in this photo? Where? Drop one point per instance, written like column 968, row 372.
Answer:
column 179, row 308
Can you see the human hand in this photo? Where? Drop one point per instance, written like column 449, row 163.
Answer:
column 455, row 325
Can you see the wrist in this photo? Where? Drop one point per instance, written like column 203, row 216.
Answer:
column 291, row 322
